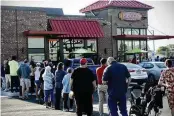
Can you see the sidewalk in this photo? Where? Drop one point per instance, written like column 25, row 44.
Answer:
column 17, row 107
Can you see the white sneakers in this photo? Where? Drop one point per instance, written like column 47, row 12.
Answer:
column 6, row 90
column 65, row 110
column 71, row 110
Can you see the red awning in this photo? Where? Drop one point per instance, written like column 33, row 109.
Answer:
column 42, row 33
column 77, row 28
column 149, row 37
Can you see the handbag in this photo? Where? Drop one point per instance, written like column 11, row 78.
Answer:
column 71, row 95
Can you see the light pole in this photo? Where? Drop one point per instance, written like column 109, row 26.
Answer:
column 112, row 37
column 17, row 54
column 153, row 41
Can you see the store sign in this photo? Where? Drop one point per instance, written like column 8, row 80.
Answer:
column 130, row 16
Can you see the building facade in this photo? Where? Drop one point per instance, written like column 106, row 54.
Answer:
column 132, row 19
column 113, row 21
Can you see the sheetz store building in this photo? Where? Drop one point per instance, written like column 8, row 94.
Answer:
column 109, row 28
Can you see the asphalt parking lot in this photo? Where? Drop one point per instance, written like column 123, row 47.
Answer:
column 16, row 107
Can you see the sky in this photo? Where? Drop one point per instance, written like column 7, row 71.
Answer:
column 160, row 18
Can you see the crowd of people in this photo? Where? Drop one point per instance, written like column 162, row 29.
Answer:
column 52, row 83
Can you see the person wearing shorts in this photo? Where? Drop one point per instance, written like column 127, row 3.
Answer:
column 24, row 72
column 37, row 81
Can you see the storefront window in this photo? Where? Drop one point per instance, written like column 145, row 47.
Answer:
column 143, row 44
column 127, row 31
column 119, row 31
column 36, row 49
column 128, row 45
column 71, row 45
column 92, row 45
column 36, row 57
column 135, row 32
column 67, row 46
column 35, row 42
column 54, row 50
column 121, row 47
column 136, row 44
column 143, row 32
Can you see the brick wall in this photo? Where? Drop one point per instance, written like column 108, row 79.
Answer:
column 105, row 46
column 26, row 20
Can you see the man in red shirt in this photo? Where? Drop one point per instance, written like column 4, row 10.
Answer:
column 102, row 88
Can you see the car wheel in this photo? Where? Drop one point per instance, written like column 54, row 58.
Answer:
column 151, row 78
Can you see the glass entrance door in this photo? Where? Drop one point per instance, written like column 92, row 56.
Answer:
column 54, row 50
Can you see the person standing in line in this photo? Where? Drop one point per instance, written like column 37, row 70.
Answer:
column 15, row 81
column 102, row 88
column 48, row 78
column 3, row 83
column 134, row 60
column 32, row 66
column 167, row 80
column 37, row 81
column 59, row 74
column 66, row 90
column 117, row 77
column 83, row 84
column 7, row 75
column 24, row 72
column 157, row 59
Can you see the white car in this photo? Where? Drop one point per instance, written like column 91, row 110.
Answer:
column 138, row 74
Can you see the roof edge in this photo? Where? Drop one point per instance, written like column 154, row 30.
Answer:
column 84, row 10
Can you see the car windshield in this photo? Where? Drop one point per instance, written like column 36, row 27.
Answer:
column 160, row 65
column 77, row 62
column 129, row 65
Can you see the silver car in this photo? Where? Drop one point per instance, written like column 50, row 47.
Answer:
column 138, row 74
column 154, row 69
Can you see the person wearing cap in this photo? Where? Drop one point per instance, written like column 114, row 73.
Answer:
column 83, row 84
column 24, row 72
column 37, row 71
column 117, row 77
column 102, row 88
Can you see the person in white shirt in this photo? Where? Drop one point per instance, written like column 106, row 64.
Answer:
column 37, row 75
column 48, row 78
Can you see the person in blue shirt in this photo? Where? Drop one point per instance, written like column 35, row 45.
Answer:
column 66, row 90
column 59, row 74
column 117, row 77
column 157, row 59
column 24, row 73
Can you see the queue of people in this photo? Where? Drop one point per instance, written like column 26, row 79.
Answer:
column 77, row 84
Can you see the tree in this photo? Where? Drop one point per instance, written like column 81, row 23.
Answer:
column 164, row 50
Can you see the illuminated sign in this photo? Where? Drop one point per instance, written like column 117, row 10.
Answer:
column 130, row 16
